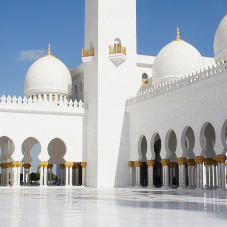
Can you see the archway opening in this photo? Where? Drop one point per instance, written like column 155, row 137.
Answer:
column 56, row 151
column 30, row 163
column 158, row 166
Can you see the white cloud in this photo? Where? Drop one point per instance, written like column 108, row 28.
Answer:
column 30, row 55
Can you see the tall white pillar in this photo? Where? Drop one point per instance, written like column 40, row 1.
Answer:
column 66, row 173
column 221, row 172
column 150, row 174
column 62, row 166
column 70, row 174
column 45, row 173
column 41, row 164
column 130, row 172
column 19, row 164
column 199, row 161
column 207, row 176
column 83, row 164
column 77, row 166
column 215, row 163
column 182, row 173
column 7, row 174
column 211, row 174
column 137, row 164
column 165, row 172
column 50, row 166
column 190, row 173
column 25, row 174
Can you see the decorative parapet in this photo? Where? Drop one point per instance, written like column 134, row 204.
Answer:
column 42, row 104
column 117, row 49
column 178, row 83
column 87, row 52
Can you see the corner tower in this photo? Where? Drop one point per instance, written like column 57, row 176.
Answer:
column 108, row 80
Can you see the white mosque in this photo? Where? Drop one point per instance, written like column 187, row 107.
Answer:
column 120, row 119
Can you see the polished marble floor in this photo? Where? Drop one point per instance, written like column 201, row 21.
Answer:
column 58, row 206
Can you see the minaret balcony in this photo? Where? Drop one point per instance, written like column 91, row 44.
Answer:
column 117, row 54
column 87, row 56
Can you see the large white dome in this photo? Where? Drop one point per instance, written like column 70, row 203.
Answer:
column 220, row 41
column 175, row 60
column 48, row 75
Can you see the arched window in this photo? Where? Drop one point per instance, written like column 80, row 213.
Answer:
column 75, row 89
column 144, row 78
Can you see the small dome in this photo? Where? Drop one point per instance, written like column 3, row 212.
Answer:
column 175, row 60
column 220, row 41
column 48, row 75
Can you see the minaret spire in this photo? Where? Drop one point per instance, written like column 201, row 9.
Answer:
column 49, row 52
column 178, row 35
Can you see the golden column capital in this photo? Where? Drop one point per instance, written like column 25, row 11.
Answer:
column 76, row 165
column 50, row 166
column 215, row 163
column 221, row 158
column 150, row 162
column 181, row 161
column 13, row 164
column 208, row 161
column 138, row 163
column 71, row 164
column 130, row 163
column 83, row 164
column 199, row 159
column 172, row 164
column 3, row 166
column 193, row 163
column 225, row 163
column 45, row 164
column 41, row 164
column 62, row 166
column 7, row 165
column 190, row 162
column 165, row 162
column 19, row 163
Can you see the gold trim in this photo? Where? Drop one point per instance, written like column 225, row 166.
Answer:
column 138, row 163
column 199, row 159
column 150, row 162
column 221, row 158
column 49, row 52
column 62, row 166
column 83, row 164
column 131, row 163
column 165, row 162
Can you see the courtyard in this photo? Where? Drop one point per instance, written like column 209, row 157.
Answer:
column 83, row 206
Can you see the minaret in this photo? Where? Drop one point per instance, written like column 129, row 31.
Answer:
column 109, row 80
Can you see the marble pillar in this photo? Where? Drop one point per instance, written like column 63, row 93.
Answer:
column 130, row 163
column 45, row 173
column 77, row 166
column 150, row 173
column 211, row 174
column 182, row 173
column 7, row 174
column 171, row 175
column 199, row 162
column 165, row 173
column 62, row 166
column 190, row 173
column 138, row 165
column 221, row 172
column 70, row 174
column 83, row 164
column 215, row 163
column 50, row 166
column 41, row 164
column 19, row 164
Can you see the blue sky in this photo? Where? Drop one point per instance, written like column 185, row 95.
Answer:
column 27, row 27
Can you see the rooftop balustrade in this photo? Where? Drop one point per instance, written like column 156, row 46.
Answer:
column 87, row 52
column 117, row 49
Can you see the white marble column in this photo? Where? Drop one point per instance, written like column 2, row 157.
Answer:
column 215, row 173
column 70, row 174
column 41, row 164
column 211, row 175
column 19, row 164
column 45, row 173
column 190, row 173
column 7, row 174
column 165, row 172
column 182, row 173
column 221, row 172
column 25, row 175
column 77, row 174
column 207, row 177
column 199, row 161
column 83, row 164
column 137, row 164
column 3, row 174
column 170, row 175
column 66, row 175
column 130, row 163
column 150, row 173
column 62, row 166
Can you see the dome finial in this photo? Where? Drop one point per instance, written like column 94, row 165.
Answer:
column 178, row 35
column 49, row 52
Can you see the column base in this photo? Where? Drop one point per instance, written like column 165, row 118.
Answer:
column 199, row 188
column 15, row 186
column 221, row 189
column 191, row 187
column 151, row 186
column 181, row 188
column 165, row 187
column 68, row 186
column 76, row 184
column 43, row 186
column 138, row 186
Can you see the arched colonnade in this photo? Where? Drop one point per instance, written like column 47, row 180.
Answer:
column 184, row 160
column 72, row 173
